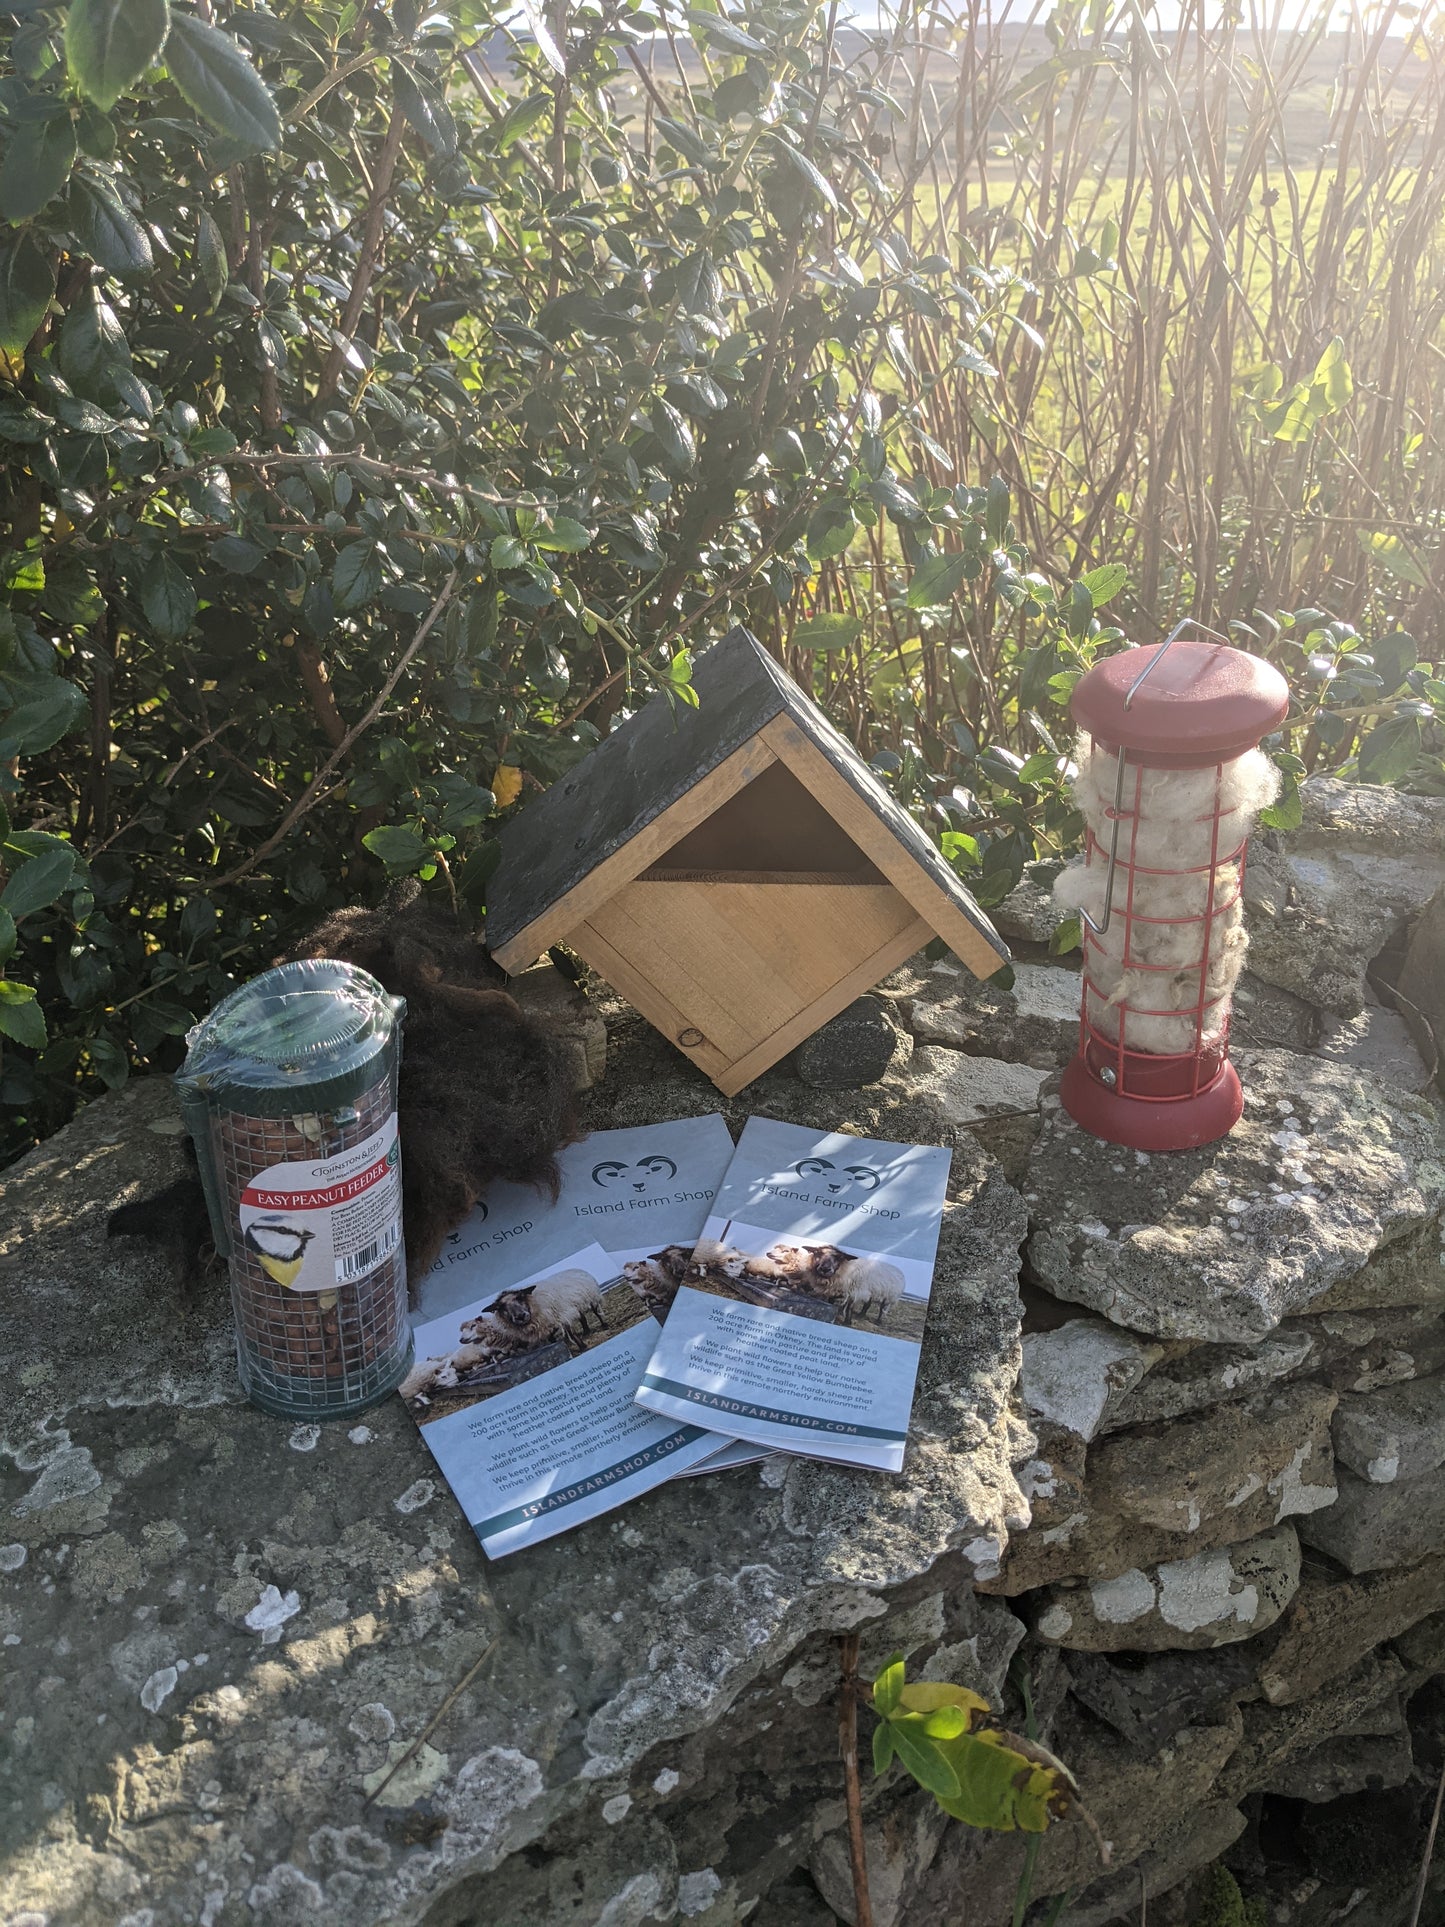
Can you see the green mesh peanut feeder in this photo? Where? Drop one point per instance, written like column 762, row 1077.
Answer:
column 289, row 1091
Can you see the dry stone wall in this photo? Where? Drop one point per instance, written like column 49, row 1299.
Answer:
column 1175, row 1473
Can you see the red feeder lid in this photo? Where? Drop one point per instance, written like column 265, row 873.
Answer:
column 1204, row 703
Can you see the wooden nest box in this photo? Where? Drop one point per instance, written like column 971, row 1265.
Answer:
column 735, row 870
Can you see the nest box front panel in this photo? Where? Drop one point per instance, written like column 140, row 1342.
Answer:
column 751, row 931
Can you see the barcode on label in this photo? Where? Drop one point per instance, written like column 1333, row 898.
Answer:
column 358, row 1262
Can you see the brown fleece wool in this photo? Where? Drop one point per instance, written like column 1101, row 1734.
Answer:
column 484, row 1093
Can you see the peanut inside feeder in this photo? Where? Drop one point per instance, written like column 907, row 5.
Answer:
column 289, row 1090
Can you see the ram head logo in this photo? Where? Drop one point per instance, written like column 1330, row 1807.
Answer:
column 836, row 1178
column 613, row 1175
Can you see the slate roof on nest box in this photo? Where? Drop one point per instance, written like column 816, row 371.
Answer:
column 652, row 761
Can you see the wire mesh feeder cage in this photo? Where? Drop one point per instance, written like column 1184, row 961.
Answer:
column 289, row 1091
column 1171, row 779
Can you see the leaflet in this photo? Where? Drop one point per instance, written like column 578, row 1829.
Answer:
column 641, row 1193
column 799, row 1322
column 525, row 1397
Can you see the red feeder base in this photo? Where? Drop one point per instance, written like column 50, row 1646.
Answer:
column 1159, row 1124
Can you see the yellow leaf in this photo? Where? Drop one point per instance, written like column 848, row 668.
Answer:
column 926, row 1696
column 506, row 784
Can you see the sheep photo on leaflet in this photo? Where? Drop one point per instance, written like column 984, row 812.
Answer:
column 818, row 1281
column 520, row 1333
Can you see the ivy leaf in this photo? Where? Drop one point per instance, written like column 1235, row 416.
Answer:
column 107, row 230
column 109, row 44
column 830, row 630
column 1391, row 749
column 168, row 598
column 21, row 1017
column 215, row 77
column 27, row 287
column 37, row 165
column 38, row 881
column 399, row 848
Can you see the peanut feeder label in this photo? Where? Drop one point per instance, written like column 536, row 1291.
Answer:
column 314, row 1226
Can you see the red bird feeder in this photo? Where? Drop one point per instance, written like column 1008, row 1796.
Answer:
column 1171, row 778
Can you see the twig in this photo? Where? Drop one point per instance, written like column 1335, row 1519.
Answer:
column 318, row 782
column 434, row 1722
column 848, row 1745
column 1429, row 1853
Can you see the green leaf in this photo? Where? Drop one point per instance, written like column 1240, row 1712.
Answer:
column 882, row 1747
column 37, row 165
column 1067, row 936
column 813, row 176
column 1395, row 656
column 1333, row 378
column 1103, row 584
column 1394, row 555
column 216, row 78
column 564, row 534
column 425, row 109
column 109, row 44
column 107, row 230
column 673, row 431
column 935, row 580
column 888, row 1686
column 211, row 259
column 722, row 33
column 38, row 882
column 521, row 119
column 1391, row 749
column 1287, row 811
column 91, row 338
column 996, row 511
column 168, row 598
column 45, row 709
column 507, row 552
column 27, row 287
column 8, row 936
column 21, row 1017
column 399, row 848
column 830, row 630
column 924, row 1758
column 356, row 576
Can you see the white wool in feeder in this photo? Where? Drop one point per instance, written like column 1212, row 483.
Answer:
column 1167, row 813
column 1182, row 921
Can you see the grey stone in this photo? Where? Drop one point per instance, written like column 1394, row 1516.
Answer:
column 1339, row 1767
column 1335, row 1622
column 1397, row 1432
column 969, row 1090
column 1028, row 914
column 1376, row 1040
column 1195, row 1840
column 1147, row 1699
column 898, row 1844
column 1421, row 985
column 1363, row 1701
column 1264, row 1017
column 1136, row 1798
column 1072, row 1374
column 853, row 1049
column 1215, row 1598
column 1213, row 1479
column 1372, row 1526
column 156, row 1511
column 1422, row 1647
column 1202, row 1375
column 1324, row 901
column 569, row 1014
column 1326, row 1196
column 1034, row 1021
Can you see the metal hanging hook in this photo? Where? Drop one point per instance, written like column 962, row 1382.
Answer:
column 1138, row 683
